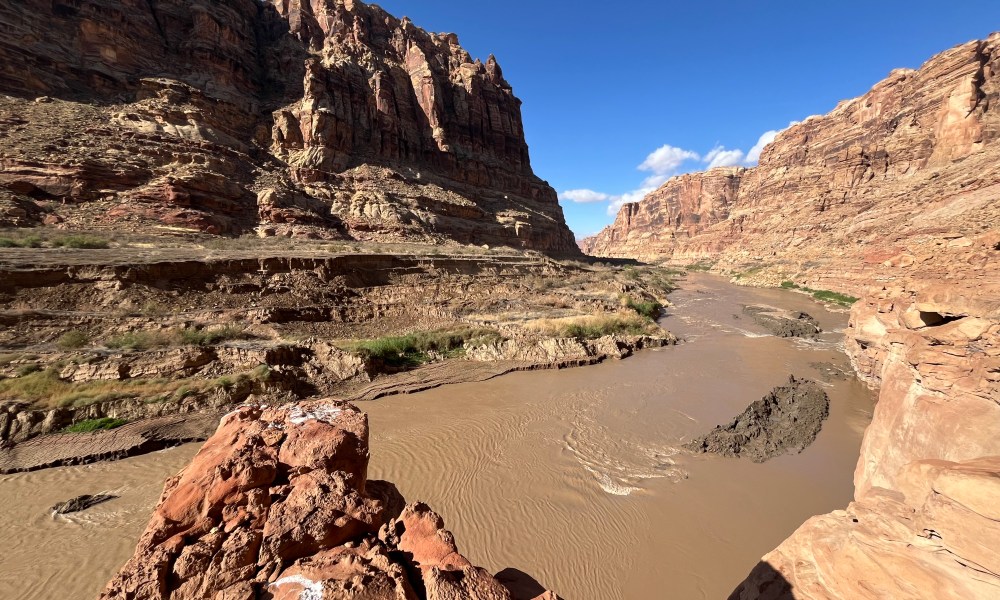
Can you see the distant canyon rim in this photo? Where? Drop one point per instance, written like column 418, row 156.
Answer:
column 211, row 204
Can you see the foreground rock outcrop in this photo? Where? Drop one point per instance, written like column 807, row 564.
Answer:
column 277, row 505
column 937, row 538
column 326, row 119
column 785, row 421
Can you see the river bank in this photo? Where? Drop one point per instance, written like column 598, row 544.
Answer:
column 580, row 472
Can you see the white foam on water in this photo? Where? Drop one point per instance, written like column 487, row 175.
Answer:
column 609, row 485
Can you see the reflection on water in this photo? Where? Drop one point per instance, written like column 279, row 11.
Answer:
column 574, row 476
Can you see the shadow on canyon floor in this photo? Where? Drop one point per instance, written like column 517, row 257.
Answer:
column 520, row 585
column 764, row 583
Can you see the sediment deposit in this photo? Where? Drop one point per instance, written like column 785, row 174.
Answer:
column 783, row 323
column 785, row 421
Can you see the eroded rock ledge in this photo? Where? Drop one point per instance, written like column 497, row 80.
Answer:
column 329, row 119
column 278, row 505
column 925, row 522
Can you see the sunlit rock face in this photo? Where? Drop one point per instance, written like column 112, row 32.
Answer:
column 326, row 119
column 866, row 193
column 277, row 504
column 891, row 197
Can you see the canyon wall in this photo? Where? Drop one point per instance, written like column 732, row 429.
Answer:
column 328, row 118
column 849, row 198
column 680, row 210
column 893, row 197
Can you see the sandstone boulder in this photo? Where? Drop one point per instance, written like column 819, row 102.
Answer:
column 277, row 504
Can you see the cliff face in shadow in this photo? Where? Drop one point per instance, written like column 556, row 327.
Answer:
column 328, row 119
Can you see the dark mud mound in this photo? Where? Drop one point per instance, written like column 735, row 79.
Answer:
column 785, row 421
column 81, row 503
column 784, row 323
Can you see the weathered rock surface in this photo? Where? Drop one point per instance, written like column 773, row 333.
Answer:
column 784, row 323
column 326, row 119
column 935, row 539
column 881, row 188
column 924, row 522
column 785, row 421
column 277, row 505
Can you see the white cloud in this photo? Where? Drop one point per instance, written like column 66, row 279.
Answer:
column 584, row 196
column 753, row 156
column 720, row 157
column 634, row 196
column 666, row 159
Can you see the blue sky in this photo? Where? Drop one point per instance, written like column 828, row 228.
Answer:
column 609, row 87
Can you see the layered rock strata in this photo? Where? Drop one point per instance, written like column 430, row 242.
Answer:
column 673, row 215
column 327, row 119
column 278, row 505
column 892, row 197
column 869, row 192
column 924, row 523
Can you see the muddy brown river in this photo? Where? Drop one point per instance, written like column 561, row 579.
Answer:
column 575, row 477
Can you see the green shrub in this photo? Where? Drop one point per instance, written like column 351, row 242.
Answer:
column 28, row 370
column 31, row 384
column 191, row 336
column 73, row 339
column 262, row 373
column 6, row 359
column 83, row 242
column 700, row 267
column 31, row 241
column 92, row 425
column 822, row 295
column 834, row 297
column 413, row 349
column 140, row 340
column 597, row 327
column 650, row 310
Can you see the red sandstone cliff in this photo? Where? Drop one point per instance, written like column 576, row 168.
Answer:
column 278, row 505
column 322, row 118
column 893, row 173
column 892, row 196
column 676, row 213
